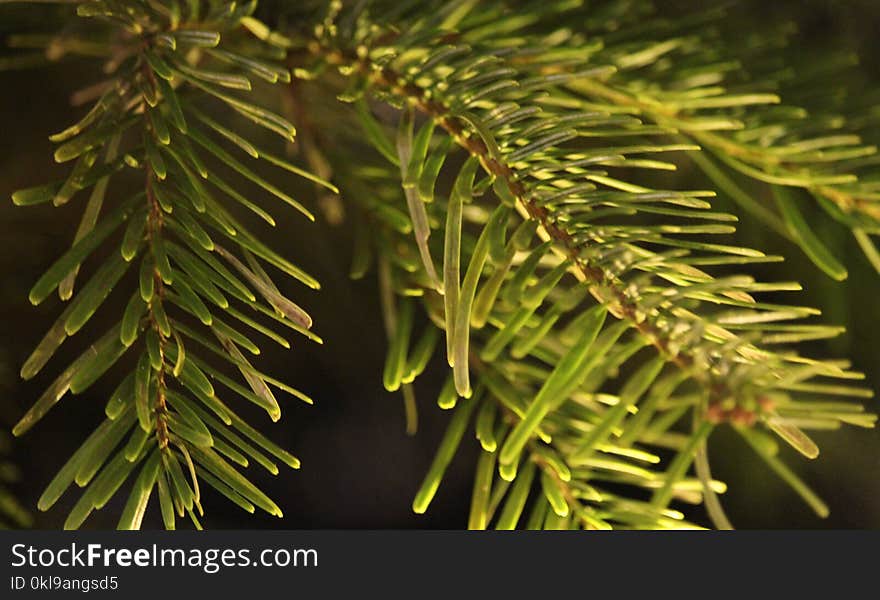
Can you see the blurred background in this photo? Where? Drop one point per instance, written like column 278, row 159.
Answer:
column 360, row 470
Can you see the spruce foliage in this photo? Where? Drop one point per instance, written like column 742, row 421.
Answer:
column 504, row 164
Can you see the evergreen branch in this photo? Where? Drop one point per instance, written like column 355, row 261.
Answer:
column 404, row 75
column 163, row 406
column 470, row 140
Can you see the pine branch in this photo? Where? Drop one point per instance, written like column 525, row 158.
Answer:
column 475, row 106
column 165, row 62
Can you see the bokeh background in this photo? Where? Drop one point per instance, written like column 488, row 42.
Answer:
column 360, row 470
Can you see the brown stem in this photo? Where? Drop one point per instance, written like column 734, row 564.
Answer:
column 154, row 228
column 155, row 221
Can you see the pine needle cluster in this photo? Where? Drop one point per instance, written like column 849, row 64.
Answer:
column 503, row 163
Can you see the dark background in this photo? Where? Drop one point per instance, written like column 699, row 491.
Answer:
column 360, row 470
